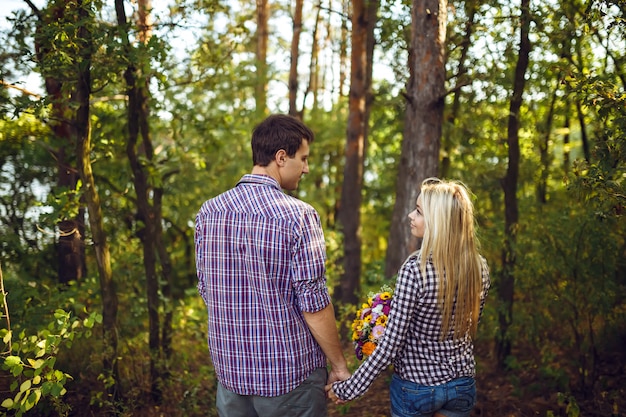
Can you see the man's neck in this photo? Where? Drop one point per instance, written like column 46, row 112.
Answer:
column 269, row 170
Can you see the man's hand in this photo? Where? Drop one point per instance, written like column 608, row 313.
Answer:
column 331, row 394
column 338, row 375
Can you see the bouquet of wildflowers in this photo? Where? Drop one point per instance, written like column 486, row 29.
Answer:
column 369, row 324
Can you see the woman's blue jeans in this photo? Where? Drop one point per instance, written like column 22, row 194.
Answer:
column 452, row 399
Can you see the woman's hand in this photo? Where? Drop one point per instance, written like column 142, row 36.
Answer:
column 331, row 394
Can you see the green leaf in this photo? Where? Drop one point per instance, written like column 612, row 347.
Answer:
column 60, row 314
column 8, row 403
column 26, row 385
column 7, row 337
column 47, row 387
column 55, row 390
column 36, row 363
column 31, row 400
column 12, row 361
column 17, row 369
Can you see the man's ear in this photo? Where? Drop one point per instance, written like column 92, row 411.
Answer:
column 280, row 157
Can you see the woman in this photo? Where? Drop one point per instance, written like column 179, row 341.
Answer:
column 439, row 296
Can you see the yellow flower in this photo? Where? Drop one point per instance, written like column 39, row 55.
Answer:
column 355, row 324
column 385, row 295
column 355, row 335
column 381, row 320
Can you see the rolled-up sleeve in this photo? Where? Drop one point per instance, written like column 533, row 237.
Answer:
column 200, row 242
column 309, row 269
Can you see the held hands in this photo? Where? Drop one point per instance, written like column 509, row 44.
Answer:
column 335, row 376
column 338, row 374
column 331, row 394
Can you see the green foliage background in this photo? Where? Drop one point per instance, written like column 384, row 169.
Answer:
column 570, row 299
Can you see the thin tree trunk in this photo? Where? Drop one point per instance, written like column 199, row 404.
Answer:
column 509, row 184
column 162, row 255
column 312, row 85
column 262, row 14
column 295, row 53
column 343, row 47
column 82, row 126
column 364, row 15
column 566, row 125
column 148, row 203
column 423, row 122
column 71, row 264
column 583, row 131
column 544, row 147
column 471, row 7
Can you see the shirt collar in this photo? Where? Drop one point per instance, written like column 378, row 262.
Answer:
column 259, row 180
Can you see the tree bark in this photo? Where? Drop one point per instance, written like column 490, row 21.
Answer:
column 313, row 68
column 471, row 8
column 295, row 53
column 419, row 157
column 509, row 184
column 71, row 264
column 149, row 201
column 567, row 127
column 262, row 14
column 545, row 157
column 343, row 47
column 82, row 132
column 364, row 15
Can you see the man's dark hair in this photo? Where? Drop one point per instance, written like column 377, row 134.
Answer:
column 278, row 131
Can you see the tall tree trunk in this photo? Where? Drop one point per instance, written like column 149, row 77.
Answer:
column 295, row 53
column 82, row 126
column 583, row 131
column 262, row 33
column 164, row 350
column 149, row 201
column 509, row 184
column 471, row 6
column 571, row 49
column 71, row 264
column 544, row 147
column 343, row 47
column 364, row 15
column 423, row 122
column 566, row 126
column 312, row 84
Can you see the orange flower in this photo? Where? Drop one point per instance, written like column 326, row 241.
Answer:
column 368, row 348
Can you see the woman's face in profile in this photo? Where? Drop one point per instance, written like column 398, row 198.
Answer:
column 417, row 219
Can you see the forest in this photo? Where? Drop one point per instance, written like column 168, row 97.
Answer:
column 119, row 118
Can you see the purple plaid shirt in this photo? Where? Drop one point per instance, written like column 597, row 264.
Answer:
column 260, row 258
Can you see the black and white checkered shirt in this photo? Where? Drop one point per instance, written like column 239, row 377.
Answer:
column 412, row 337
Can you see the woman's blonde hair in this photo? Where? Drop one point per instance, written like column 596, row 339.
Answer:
column 450, row 240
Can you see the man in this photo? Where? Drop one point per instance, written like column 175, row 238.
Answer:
column 260, row 258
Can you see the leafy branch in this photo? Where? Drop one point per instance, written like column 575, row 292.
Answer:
column 31, row 359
